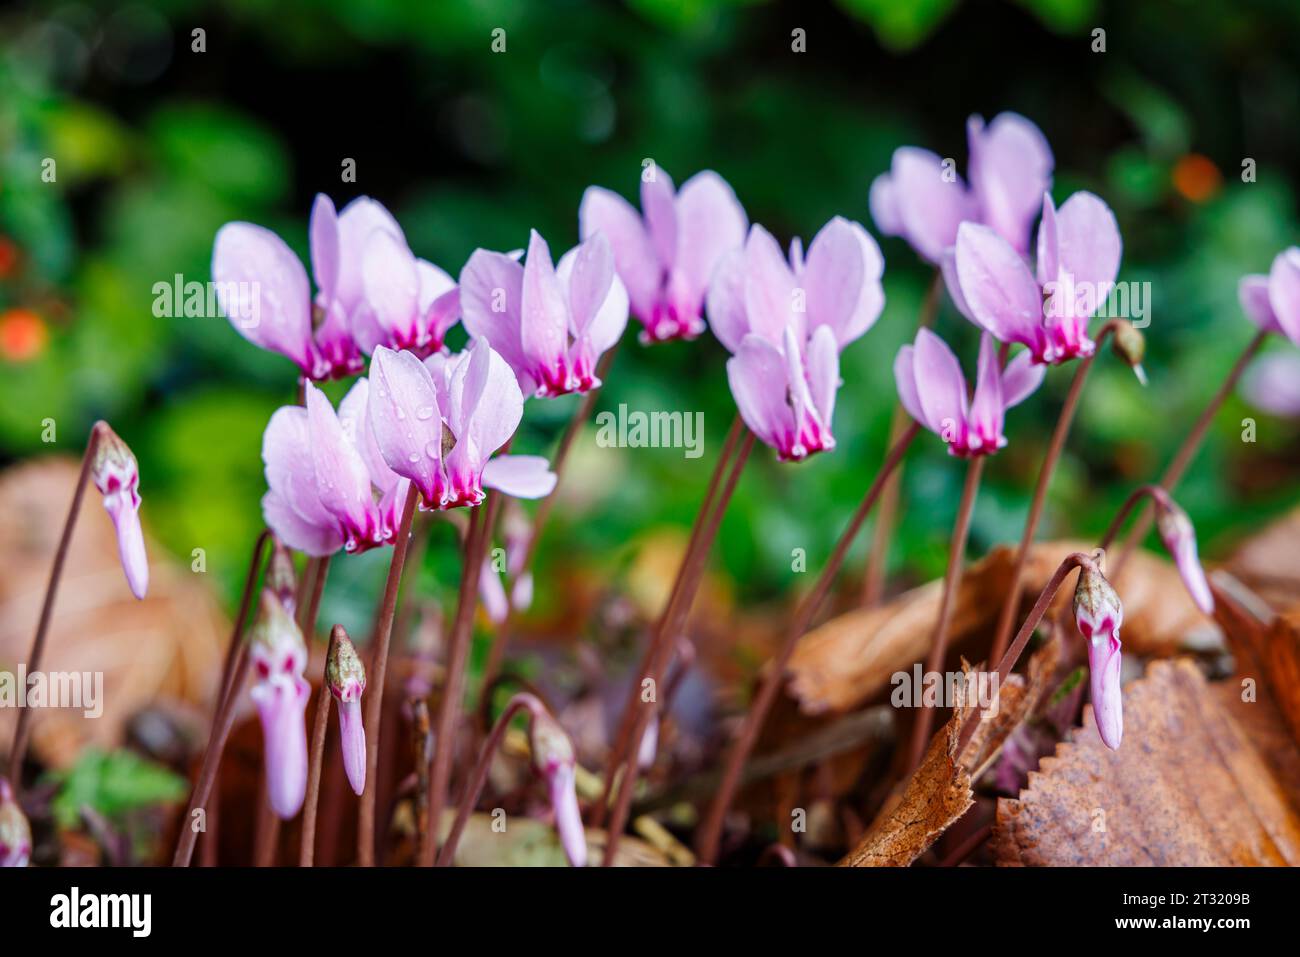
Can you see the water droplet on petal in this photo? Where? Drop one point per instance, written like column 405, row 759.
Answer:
column 424, row 413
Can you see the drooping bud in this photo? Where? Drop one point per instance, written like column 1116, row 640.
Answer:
column 554, row 760
column 116, row 475
column 281, row 693
column 1131, row 346
column 1098, row 615
column 282, row 579
column 1179, row 537
column 15, row 832
column 345, row 676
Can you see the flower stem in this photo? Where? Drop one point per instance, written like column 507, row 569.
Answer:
column 375, row 680
column 1011, row 603
column 233, row 674
column 619, row 751
column 518, row 703
column 873, row 581
column 1173, row 473
column 670, row 628
column 453, row 689
column 307, row 848
column 952, row 582
column 710, row 831
column 496, row 653
column 22, row 733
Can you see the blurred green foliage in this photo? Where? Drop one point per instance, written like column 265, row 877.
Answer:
column 157, row 145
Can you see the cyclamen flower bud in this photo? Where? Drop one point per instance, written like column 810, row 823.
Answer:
column 1098, row 615
column 553, row 758
column 117, row 477
column 345, row 676
column 281, row 579
column 281, row 693
column 1130, row 345
column 1180, row 541
column 15, row 833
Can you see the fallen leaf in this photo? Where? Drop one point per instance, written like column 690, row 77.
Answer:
column 1186, row 787
column 170, row 645
column 1269, row 562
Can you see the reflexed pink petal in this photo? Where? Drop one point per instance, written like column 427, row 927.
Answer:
column 660, row 216
column 1284, row 292
column 1179, row 538
column 1088, row 244
column 638, row 266
column 323, row 229
column 710, row 223
column 833, row 277
column 520, row 476
column 484, row 409
column 1020, row 379
column 568, row 818
column 290, row 472
column 1010, row 168
column 125, row 511
column 357, row 222
column 948, row 267
column 392, row 288
column 986, row 409
column 297, row 532
column 997, row 286
column 871, row 300
column 263, row 289
column 823, row 373
column 883, row 203
column 405, row 420
column 1107, row 693
column 342, row 479
column 493, row 593
column 1272, row 383
column 491, row 295
column 352, row 738
column 589, row 278
column 1252, row 292
column 905, row 378
column 544, row 320
column 811, row 434
column 929, row 207
column 354, row 416
column 726, row 299
column 940, row 385
column 769, row 288
column 439, row 304
column 1048, row 264
column 757, row 376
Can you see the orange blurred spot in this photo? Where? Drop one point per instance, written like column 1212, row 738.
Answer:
column 23, row 335
column 1197, row 178
column 8, row 256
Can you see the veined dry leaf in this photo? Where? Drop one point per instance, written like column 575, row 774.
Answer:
column 850, row 659
column 530, row 843
column 939, row 791
column 1185, row 788
column 168, row 645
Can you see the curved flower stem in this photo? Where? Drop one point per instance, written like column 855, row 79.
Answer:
column 234, row 673
column 1012, row 655
column 307, row 848
column 1173, row 473
column 670, row 628
column 1011, row 603
column 376, row 674
column 22, row 732
column 1153, row 492
column 622, row 740
column 519, row 702
column 873, row 580
column 496, row 653
column 453, row 689
column 952, row 583
column 710, row 831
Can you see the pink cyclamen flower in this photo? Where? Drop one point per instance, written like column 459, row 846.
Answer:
column 279, row 657
column 1179, row 539
column 666, row 254
column 439, row 422
column 923, row 200
column 117, row 477
column 371, row 289
column 550, row 323
column 345, row 677
column 785, row 324
column 1098, row 615
column 1078, row 259
column 553, row 759
column 1272, row 302
column 329, row 488
column 932, row 389
column 15, row 832
column 517, row 532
